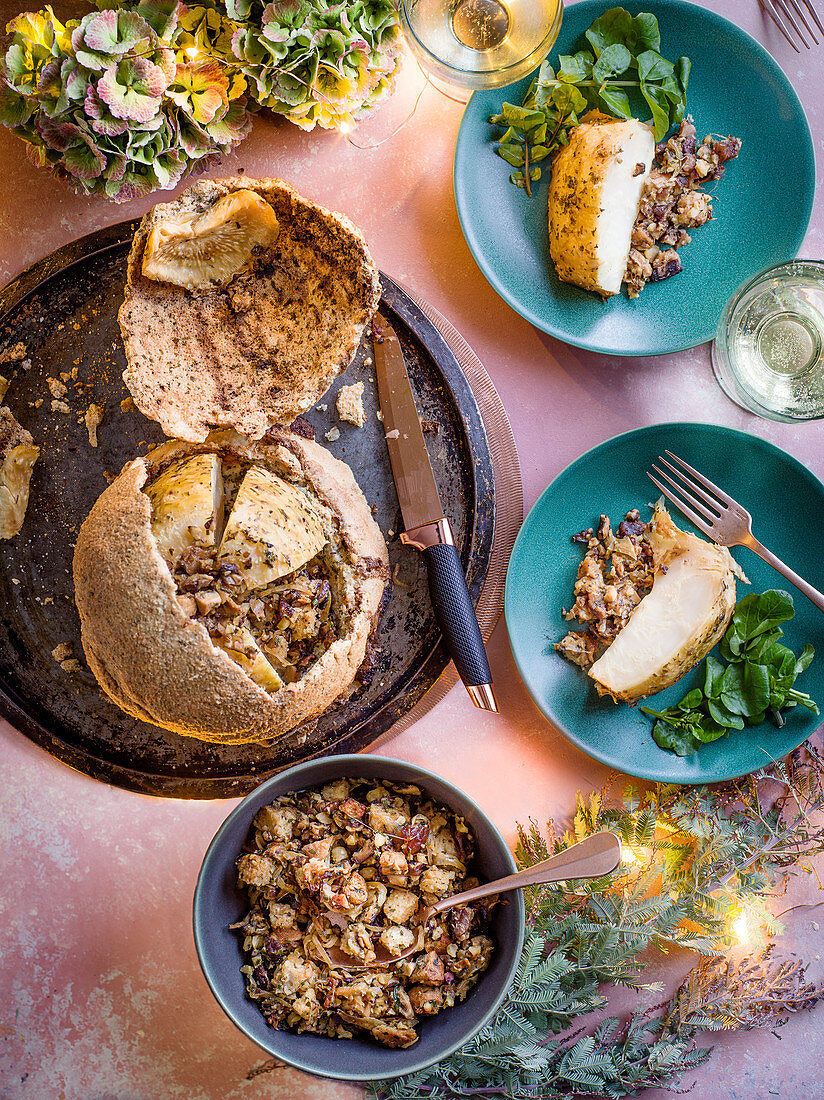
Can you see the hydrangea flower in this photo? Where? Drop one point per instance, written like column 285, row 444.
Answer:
column 316, row 63
column 133, row 96
column 112, row 103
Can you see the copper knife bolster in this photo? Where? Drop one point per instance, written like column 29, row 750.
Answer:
column 436, row 533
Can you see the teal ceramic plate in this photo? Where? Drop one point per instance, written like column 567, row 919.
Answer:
column 787, row 504
column 763, row 203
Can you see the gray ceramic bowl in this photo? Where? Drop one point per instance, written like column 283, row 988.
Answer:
column 218, row 903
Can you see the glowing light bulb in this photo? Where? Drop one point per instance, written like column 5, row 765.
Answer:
column 191, row 51
column 627, row 855
column 345, row 126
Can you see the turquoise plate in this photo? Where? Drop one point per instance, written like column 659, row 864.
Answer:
column 787, row 504
column 762, row 208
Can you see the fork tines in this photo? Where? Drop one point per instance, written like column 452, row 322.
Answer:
column 709, row 503
column 790, row 10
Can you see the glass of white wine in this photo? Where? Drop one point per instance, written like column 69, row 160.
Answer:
column 768, row 354
column 466, row 44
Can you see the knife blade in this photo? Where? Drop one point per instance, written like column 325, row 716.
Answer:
column 427, row 528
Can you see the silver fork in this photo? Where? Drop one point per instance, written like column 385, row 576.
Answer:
column 779, row 10
column 716, row 514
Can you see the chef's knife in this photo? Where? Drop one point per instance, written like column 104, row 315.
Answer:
column 427, row 528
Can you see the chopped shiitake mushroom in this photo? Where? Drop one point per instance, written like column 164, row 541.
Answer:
column 199, row 251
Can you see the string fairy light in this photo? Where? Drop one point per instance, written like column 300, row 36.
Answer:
column 740, row 927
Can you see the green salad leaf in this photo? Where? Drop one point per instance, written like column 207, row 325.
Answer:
column 622, row 53
column 758, row 681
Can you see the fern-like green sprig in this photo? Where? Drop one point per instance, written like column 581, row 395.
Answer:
column 695, row 856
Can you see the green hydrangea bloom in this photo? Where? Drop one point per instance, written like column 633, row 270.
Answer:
column 316, row 63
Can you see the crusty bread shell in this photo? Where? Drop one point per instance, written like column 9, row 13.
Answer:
column 262, row 349
column 160, row 666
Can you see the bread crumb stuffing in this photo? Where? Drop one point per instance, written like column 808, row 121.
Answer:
column 4, row 385
column 56, row 387
column 60, row 406
column 62, row 651
column 332, row 434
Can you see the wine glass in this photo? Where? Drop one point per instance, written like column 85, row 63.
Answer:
column 768, row 354
column 466, row 44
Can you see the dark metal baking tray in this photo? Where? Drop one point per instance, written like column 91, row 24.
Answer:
column 64, row 310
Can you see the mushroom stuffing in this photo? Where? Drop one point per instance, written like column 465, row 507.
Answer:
column 377, row 853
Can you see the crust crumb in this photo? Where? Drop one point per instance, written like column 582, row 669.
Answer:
column 93, row 419
column 13, row 354
column 349, row 403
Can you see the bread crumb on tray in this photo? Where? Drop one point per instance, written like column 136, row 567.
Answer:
column 349, row 403
column 93, row 419
column 62, row 653
column 13, row 354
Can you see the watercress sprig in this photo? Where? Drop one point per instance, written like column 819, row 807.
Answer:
column 623, row 54
column 757, row 681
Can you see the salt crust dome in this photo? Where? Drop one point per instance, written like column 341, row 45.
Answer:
column 158, row 664
column 257, row 348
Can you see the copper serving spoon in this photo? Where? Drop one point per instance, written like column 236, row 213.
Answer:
column 594, row 857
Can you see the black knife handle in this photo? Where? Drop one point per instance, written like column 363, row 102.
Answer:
column 455, row 613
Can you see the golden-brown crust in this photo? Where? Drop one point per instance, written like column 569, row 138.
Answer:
column 159, row 665
column 575, row 201
column 264, row 348
column 575, row 198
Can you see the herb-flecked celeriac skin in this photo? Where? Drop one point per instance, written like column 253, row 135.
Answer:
column 377, row 853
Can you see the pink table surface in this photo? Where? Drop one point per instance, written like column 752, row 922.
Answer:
column 100, row 992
